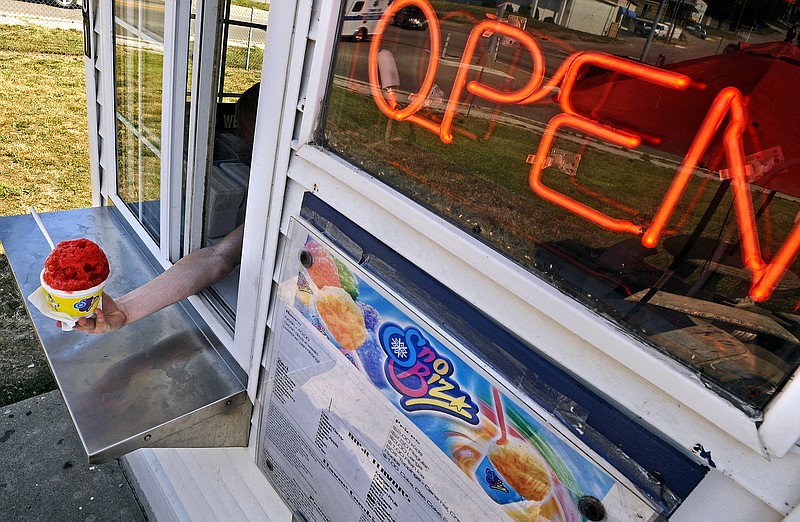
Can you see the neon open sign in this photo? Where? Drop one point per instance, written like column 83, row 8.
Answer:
column 729, row 103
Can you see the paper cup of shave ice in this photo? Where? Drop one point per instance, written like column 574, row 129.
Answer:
column 75, row 303
column 74, row 275
column 512, row 473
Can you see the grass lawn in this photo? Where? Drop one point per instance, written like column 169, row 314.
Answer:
column 44, row 148
column 44, row 142
column 255, row 4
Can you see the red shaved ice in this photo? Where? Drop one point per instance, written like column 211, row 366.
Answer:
column 77, row 264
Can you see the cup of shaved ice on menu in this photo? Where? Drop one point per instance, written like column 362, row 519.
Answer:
column 74, row 275
column 514, row 472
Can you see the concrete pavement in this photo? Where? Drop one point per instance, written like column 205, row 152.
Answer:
column 44, row 474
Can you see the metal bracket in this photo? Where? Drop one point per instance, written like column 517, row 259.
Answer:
column 435, row 99
column 758, row 164
column 566, row 162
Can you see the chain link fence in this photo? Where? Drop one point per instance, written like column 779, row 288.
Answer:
column 246, row 35
column 245, row 30
column 42, row 26
column 43, row 9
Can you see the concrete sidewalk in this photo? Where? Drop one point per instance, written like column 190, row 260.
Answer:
column 44, row 474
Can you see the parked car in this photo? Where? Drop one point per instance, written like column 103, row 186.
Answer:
column 643, row 28
column 411, row 17
column 697, row 30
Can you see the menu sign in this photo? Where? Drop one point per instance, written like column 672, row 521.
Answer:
column 371, row 414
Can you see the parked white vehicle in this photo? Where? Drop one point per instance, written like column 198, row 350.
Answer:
column 361, row 17
column 643, row 27
column 697, row 30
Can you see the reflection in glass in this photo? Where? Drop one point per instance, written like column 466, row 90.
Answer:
column 601, row 183
column 243, row 34
column 139, row 57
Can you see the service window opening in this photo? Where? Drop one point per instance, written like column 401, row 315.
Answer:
column 602, row 191
column 141, row 101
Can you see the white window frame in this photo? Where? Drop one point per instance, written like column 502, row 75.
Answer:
column 666, row 395
column 177, row 26
column 290, row 25
column 176, row 31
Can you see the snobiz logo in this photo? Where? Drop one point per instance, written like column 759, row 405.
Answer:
column 421, row 375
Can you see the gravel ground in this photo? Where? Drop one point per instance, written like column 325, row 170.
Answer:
column 24, row 371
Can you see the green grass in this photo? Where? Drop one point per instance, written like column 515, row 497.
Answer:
column 44, row 146
column 255, row 4
column 33, row 39
column 44, row 162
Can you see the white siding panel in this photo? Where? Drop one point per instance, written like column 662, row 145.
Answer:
column 189, row 486
column 720, row 498
column 197, row 485
column 589, row 16
column 154, row 489
column 207, row 476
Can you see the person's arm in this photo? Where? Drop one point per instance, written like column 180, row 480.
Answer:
column 187, row 277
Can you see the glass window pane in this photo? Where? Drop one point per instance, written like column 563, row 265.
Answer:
column 139, row 56
column 595, row 155
column 138, row 191
column 242, row 54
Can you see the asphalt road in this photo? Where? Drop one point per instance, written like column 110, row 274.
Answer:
column 44, row 13
column 511, row 68
column 38, row 8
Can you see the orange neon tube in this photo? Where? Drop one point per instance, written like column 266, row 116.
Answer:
column 728, row 101
column 537, row 74
column 734, row 152
column 630, row 68
column 774, row 272
column 552, row 85
column 587, row 127
column 484, row 91
column 699, row 145
column 386, row 108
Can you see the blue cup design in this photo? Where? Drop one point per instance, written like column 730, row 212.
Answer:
column 494, row 485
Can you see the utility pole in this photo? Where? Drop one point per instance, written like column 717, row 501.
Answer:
column 656, row 21
column 739, row 22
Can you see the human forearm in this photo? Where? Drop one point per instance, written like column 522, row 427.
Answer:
column 187, row 277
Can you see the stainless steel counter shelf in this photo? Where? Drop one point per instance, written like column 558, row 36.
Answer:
column 164, row 381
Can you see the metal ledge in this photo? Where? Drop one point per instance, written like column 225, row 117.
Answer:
column 164, row 381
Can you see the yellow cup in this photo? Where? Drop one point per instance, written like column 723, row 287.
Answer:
column 78, row 303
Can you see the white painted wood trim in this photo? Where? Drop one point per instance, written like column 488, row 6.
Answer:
column 285, row 48
column 718, row 498
column 152, row 487
column 618, row 367
column 781, row 427
column 92, row 95
column 194, row 485
column 173, row 113
column 107, row 126
column 203, row 102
